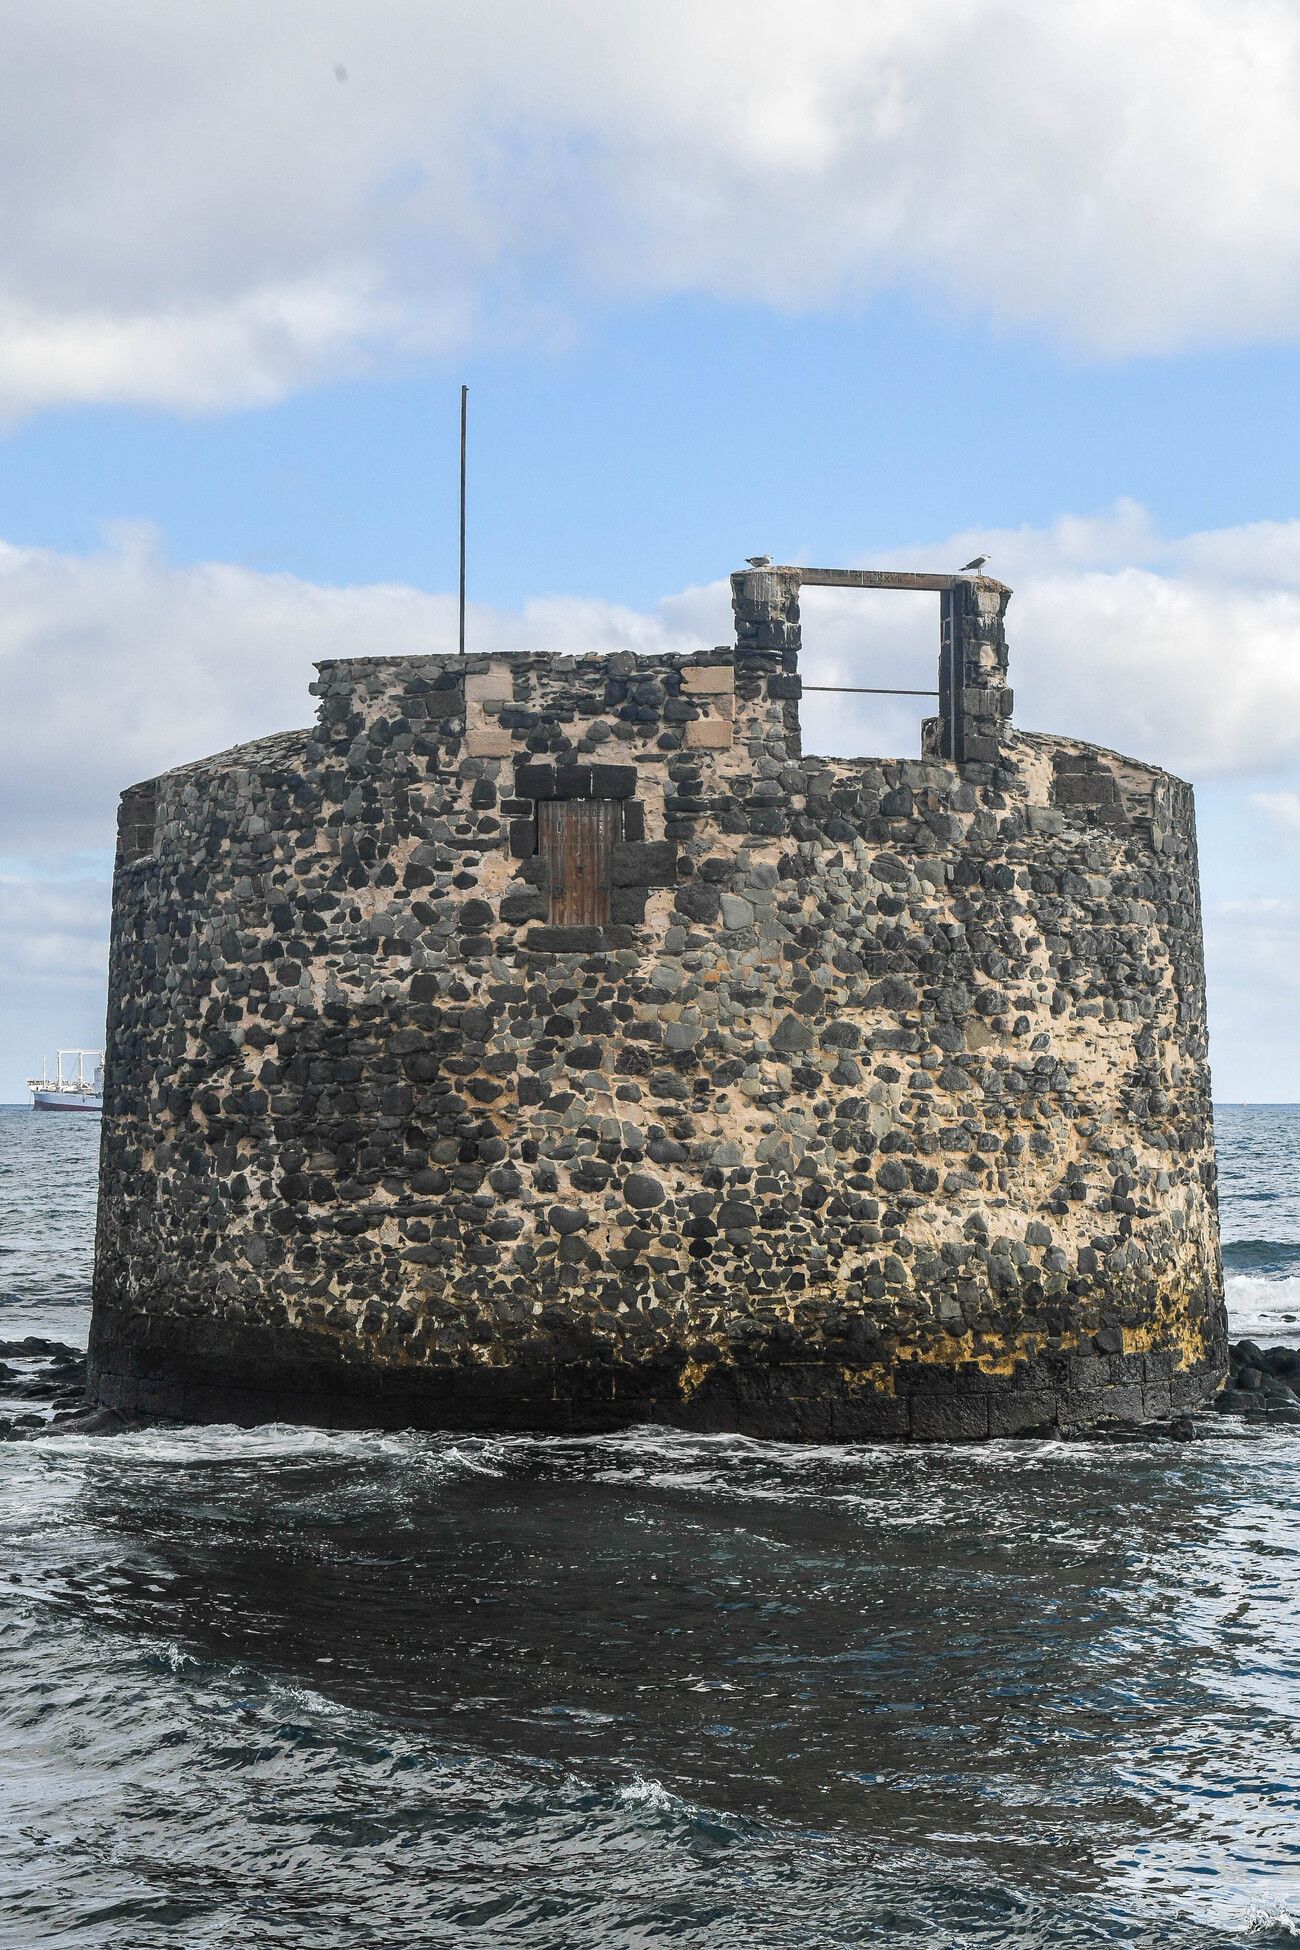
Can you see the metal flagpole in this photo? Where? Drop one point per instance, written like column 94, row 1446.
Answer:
column 464, row 398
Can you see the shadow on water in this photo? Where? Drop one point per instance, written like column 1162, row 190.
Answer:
column 656, row 1687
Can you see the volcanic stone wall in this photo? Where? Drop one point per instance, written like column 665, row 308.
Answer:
column 876, row 1104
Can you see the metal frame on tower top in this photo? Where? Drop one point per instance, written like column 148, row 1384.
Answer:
column 952, row 637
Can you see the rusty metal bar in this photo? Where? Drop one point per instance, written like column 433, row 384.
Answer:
column 869, row 690
column 464, row 403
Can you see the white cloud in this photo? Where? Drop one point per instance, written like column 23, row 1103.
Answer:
column 195, row 354
column 1185, row 651
column 1283, row 809
column 54, row 928
column 1264, row 908
column 199, row 212
column 1252, row 952
column 118, row 664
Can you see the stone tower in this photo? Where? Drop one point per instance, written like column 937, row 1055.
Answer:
column 546, row 1042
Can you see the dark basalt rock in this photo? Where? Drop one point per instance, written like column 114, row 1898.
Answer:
column 845, row 1099
column 642, row 1191
column 1262, row 1381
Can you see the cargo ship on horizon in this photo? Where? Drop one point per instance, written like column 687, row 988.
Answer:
column 70, row 1092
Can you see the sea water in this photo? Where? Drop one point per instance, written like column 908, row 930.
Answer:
column 284, row 1686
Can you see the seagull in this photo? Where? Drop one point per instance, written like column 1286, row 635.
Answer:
column 976, row 565
column 759, row 561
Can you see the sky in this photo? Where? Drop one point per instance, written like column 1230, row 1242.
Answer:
column 862, row 282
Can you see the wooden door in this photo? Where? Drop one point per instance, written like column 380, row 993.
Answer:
column 576, row 838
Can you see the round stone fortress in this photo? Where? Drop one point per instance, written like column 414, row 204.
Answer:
column 546, row 1042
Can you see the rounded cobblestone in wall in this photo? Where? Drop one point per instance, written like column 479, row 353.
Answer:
column 878, row 1107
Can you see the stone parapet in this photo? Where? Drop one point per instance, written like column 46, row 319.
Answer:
column 872, row 1101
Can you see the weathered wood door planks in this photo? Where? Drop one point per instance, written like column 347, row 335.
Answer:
column 576, row 838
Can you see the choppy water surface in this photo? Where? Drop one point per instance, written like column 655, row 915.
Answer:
column 1259, row 1190
column 289, row 1687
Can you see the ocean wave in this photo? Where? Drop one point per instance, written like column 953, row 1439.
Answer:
column 642, row 1793
column 1260, row 1255
column 1260, row 1307
column 1262, row 1921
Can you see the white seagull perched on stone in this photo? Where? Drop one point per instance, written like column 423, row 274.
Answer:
column 759, row 561
column 976, row 565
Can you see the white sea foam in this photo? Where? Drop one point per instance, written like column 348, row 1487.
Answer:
column 641, row 1793
column 1264, row 1309
column 306, row 1697
column 220, row 1442
column 1262, row 1920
